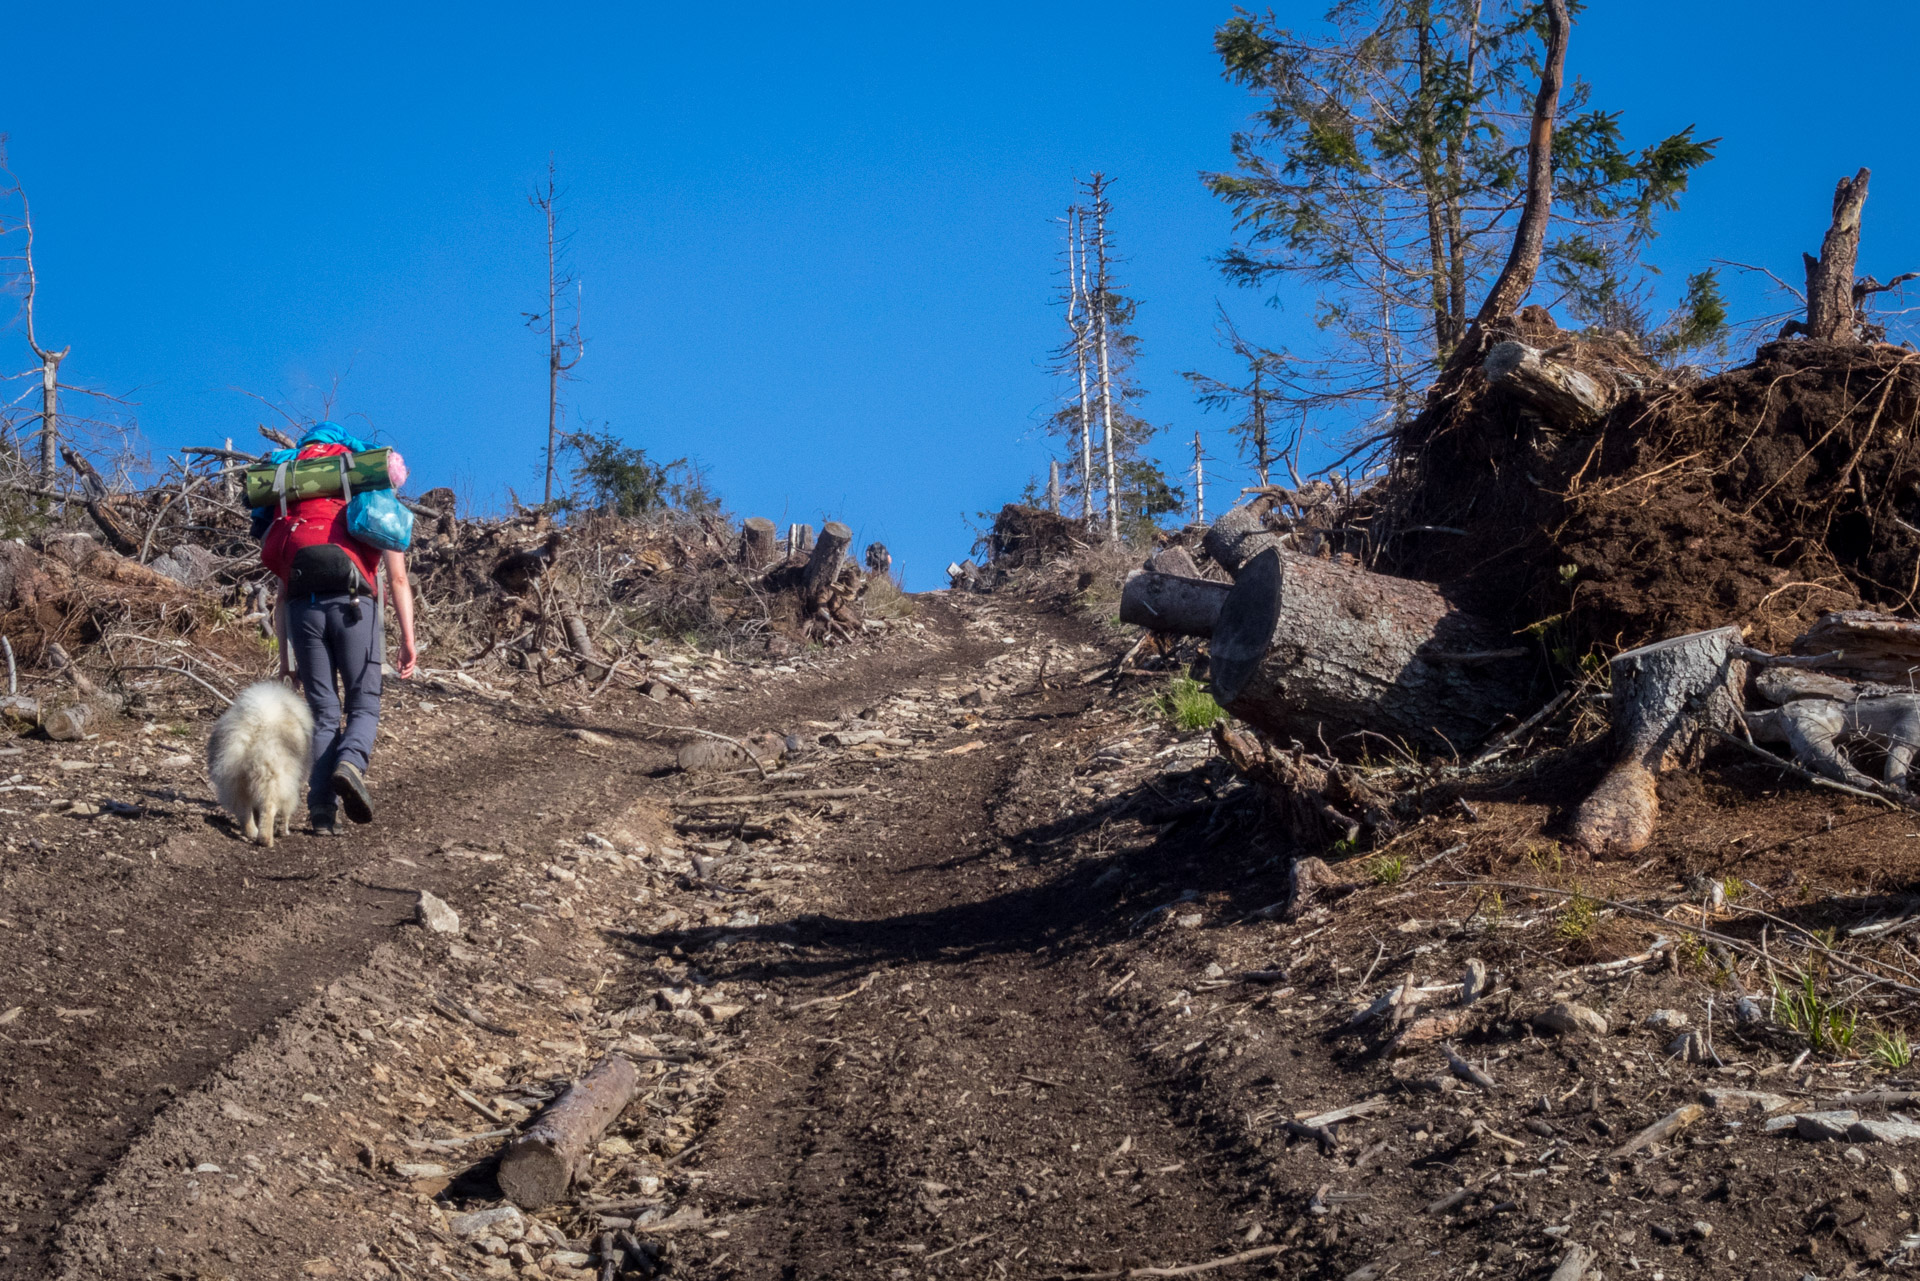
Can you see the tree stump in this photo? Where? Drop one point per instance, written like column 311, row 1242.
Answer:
column 1174, row 560
column 537, row 1167
column 758, row 547
column 799, row 540
column 1557, row 392
column 1317, row 650
column 1830, row 310
column 1665, row 697
column 823, row 565
column 1173, row 603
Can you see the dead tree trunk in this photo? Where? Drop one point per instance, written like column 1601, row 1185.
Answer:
column 1319, row 650
column 538, row 1166
column 1666, row 696
column 1556, row 392
column 823, row 566
column 799, row 540
column 757, row 543
column 1830, row 313
column 1172, row 602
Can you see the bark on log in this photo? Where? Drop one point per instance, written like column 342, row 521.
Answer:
column 538, row 1166
column 1830, row 312
column 1871, row 646
column 823, row 566
column 580, row 641
column 758, row 543
column 1665, row 696
column 1316, row 650
column 1172, row 603
column 1240, row 534
column 1557, row 392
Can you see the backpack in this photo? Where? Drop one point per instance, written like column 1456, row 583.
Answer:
column 330, row 470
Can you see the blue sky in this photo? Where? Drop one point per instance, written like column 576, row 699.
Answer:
column 816, row 242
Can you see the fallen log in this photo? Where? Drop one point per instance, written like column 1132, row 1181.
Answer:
column 1174, row 560
column 1866, row 645
column 1168, row 602
column 823, row 565
column 537, row 1167
column 1318, row 649
column 1555, row 391
column 1666, row 697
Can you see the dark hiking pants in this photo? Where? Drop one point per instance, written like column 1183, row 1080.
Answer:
column 337, row 638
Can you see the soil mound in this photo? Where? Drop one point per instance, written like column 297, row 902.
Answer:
column 1764, row 496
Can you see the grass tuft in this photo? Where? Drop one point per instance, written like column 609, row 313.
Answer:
column 1804, row 1010
column 1387, row 869
column 1891, row 1050
column 1188, row 705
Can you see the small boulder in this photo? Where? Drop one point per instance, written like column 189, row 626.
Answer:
column 434, row 914
column 1737, row 1101
column 1571, row 1017
column 1665, row 1020
column 1476, row 982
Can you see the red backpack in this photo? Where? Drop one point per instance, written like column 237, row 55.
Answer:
column 309, row 549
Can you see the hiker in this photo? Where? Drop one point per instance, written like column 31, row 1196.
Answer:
column 328, row 620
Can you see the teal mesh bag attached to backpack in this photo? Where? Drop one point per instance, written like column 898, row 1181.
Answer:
column 376, row 518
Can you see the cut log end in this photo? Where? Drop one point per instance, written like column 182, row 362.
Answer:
column 539, row 1166
column 1244, row 630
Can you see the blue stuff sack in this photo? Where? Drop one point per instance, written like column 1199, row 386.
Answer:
column 376, row 518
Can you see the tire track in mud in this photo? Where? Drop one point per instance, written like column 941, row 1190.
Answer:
column 947, row 1090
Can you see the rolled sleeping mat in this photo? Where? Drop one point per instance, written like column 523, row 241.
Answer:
column 320, row 477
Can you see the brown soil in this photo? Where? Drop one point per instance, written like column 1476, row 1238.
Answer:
column 1763, row 496
column 1059, row 1037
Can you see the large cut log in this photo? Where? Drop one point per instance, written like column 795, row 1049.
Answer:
column 1666, row 698
column 537, row 1167
column 758, row 544
column 823, row 566
column 1174, row 560
column 1172, row 602
column 1319, row 650
column 1557, row 392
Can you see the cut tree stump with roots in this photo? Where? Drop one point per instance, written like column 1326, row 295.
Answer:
column 538, row 1167
column 1666, row 697
column 1320, row 650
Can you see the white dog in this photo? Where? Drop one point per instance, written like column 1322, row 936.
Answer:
column 257, row 757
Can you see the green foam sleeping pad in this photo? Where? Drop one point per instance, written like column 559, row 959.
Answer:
column 318, row 477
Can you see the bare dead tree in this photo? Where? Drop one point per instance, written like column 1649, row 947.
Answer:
column 560, row 340
column 1098, row 207
column 1080, row 323
column 49, row 371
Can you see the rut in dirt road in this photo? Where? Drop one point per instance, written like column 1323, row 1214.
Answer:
column 167, row 948
column 950, row 1089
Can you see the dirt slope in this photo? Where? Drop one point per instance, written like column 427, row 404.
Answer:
column 1012, row 1009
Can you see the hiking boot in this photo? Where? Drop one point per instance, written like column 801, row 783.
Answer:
column 351, row 788
column 323, row 823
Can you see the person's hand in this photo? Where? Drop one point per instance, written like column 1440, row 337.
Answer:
column 291, row 678
column 409, row 658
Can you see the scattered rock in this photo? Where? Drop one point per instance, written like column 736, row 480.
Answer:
column 1476, row 982
column 1689, row 1047
column 420, row 1170
column 1665, row 1020
column 1830, row 1126
column 502, row 1221
column 708, row 753
column 435, row 915
column 851, row 737
column 590, row 738
column 1883, row 1131
column 1571, row 1017
column 1744, row 1101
